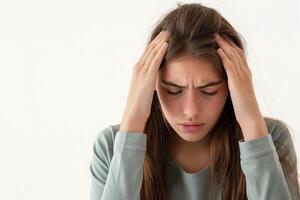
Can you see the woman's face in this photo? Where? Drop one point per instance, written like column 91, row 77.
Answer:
column 191, row 102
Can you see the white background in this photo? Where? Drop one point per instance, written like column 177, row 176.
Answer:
column 65, row 69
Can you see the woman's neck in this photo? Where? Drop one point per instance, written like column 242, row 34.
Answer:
column 192, row 156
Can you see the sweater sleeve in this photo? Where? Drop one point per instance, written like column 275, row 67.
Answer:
column 120, row 178
column 265, row 177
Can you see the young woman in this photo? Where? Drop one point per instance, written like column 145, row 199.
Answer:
column 192, row 128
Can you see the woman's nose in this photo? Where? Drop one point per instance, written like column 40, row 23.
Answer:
column 191, row 104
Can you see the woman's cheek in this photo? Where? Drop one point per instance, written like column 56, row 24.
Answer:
column 168, row 103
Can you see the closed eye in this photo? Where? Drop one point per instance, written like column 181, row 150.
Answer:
column 206, row 93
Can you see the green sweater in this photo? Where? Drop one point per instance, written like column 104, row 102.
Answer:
column 117, row 167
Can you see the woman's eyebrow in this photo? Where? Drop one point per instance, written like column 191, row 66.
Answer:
column 212, row 83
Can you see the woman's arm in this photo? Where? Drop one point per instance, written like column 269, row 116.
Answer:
column 260, row 163
column 120, row 178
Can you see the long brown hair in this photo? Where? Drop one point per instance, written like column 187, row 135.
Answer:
column 192, row 27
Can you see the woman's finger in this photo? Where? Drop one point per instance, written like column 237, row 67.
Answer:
column 154, row 66
column 149, row 47
column 154, row 51
column 152, row 55
column 228, row 65
column 239, row 51
column 231, row 54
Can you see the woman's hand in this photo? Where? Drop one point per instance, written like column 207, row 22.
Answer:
column 241, row 89
column 142, row 85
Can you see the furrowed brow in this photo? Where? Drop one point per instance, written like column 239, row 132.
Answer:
column 212, row 83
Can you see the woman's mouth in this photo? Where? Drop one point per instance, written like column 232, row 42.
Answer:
column 191, row 128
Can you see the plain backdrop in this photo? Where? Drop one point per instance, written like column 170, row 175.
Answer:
column 65, row 70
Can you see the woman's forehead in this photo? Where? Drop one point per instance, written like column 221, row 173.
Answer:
column 187, row 71
column 189, row 64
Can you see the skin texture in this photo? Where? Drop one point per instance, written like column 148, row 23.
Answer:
column 191, row 103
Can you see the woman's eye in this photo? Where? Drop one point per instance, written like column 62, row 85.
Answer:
column 173, row 93
column 210, row 93
column 207, row 93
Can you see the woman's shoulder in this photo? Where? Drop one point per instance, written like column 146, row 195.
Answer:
column 277, row 127
column 104, row 142
column 280, row 132
column 108, row 133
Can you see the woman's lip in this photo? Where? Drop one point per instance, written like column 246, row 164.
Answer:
column 192, row 124
column 191, row 128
